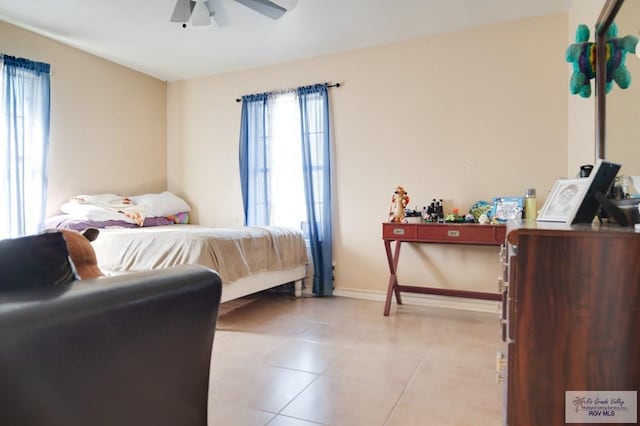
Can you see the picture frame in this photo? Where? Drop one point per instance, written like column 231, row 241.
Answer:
column 599, row 184
column 506, row 208
column 563, row 201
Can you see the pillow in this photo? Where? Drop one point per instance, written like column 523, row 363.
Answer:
column 163, row 204
column 179, row 218
column 81, row 252
column 35, row 261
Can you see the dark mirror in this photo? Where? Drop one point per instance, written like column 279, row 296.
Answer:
column 622, row 129
column 618, row 112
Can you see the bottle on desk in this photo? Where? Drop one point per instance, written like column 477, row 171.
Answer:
column 440, row 210
column 530, row 205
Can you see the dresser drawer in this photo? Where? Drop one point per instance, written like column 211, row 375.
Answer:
column 465, row 233
column 399, row 231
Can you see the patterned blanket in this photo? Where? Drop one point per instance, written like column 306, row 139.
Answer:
column 110, row 203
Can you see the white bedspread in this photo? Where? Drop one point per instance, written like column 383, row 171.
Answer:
column 233, row 252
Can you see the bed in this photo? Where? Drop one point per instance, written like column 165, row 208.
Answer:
column 142, row 237
column 248, row 259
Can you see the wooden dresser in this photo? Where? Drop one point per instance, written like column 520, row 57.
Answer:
column 570, row 318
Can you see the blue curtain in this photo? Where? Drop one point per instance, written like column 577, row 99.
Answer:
column 316, row 160
column 316, row 155
column 254, row 161
column 24, row 145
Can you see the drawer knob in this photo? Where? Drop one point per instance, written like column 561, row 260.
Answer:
column 501, row 362
column 502, row 285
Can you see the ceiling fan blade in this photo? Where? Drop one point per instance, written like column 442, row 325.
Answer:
column 265, row 7
column 182, row 11
column 288, row 4
column 201, row 15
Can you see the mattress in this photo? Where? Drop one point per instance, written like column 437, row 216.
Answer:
column 233, row 252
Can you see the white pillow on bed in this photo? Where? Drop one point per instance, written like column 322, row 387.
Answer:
column 163, row 204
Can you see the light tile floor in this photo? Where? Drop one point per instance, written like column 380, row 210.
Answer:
column 339, row 361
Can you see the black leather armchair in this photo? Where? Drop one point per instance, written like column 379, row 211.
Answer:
column 124, row 350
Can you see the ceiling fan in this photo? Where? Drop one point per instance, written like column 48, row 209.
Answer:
column 201, row 11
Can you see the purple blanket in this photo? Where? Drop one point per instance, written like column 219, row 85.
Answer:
column 70, row 222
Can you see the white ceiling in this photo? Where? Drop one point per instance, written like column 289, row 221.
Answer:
column 138, row 34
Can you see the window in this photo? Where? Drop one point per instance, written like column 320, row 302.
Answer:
column 24, row 141
column 285, row 150
column 285, row 169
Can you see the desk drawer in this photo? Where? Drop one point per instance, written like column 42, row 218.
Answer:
column 397, row 231
column 461, row 234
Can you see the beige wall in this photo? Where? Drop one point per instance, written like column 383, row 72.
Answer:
column 463, row 117
column 108, row 123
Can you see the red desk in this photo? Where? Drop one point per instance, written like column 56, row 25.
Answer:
column 436, row 233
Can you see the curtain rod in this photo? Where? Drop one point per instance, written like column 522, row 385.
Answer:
column 328, row 85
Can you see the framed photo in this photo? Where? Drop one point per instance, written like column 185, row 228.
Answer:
column 600, row 181
column 505, row 208
column 564, row 200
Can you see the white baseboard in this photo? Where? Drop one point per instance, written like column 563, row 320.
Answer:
column 463, row 303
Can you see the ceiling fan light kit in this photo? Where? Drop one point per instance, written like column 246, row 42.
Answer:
column 200, row 11
column 182, row 11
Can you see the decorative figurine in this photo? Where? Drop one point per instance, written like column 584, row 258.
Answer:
column 399, row 201
column 582, row 56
